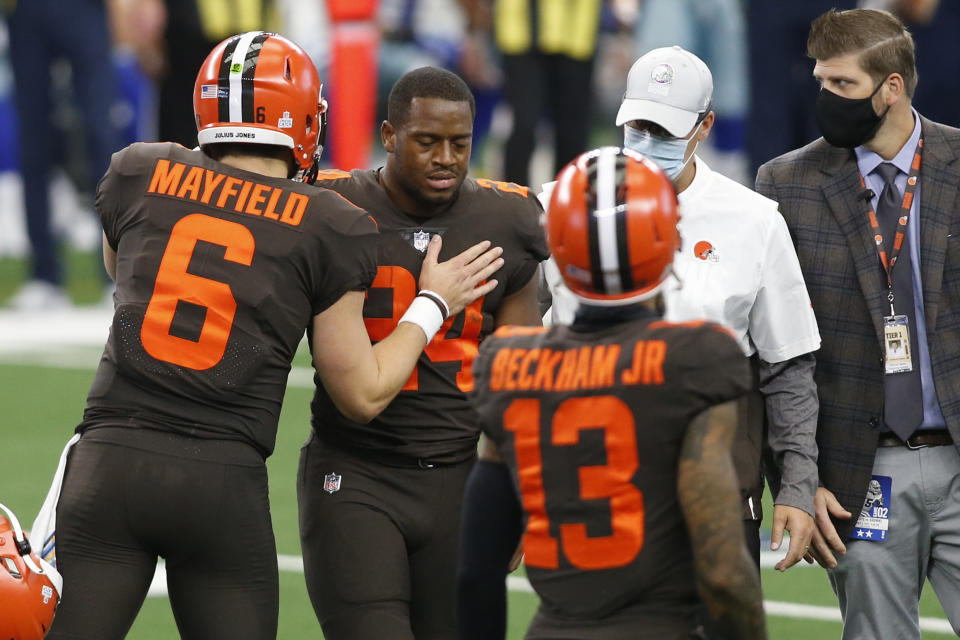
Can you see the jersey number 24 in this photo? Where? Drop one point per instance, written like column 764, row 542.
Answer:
column 462, row 348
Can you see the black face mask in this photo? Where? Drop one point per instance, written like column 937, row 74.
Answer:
column 848, row 122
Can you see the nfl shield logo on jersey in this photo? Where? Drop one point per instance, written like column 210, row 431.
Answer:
column 331, row 482
column 420, row 240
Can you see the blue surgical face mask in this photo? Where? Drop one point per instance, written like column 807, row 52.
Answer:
column 668, row 153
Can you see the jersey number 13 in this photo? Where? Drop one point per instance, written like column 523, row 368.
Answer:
column 612, row 481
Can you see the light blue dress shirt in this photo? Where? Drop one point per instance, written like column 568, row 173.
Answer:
column 867, row 161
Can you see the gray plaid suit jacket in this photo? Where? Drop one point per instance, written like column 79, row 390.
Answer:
column 820, row 197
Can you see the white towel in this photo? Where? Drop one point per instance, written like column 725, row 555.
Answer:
column 44, row 530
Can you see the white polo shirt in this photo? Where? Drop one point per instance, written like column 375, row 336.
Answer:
column 737, row 266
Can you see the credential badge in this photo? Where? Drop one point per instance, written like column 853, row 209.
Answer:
column 331, row 482
column 421, row 239
column 874, row 521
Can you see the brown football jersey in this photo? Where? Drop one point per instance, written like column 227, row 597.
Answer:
column 591, row 424
column 431, row 417
column 219, row 272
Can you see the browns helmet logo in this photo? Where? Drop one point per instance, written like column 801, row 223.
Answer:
column 705, row 251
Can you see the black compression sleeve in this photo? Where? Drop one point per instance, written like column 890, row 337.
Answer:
column 490, row 532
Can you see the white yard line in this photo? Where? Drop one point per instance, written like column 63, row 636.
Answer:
column 73, row 340
column 294, row 564
column 78, row 326
column 832, row 614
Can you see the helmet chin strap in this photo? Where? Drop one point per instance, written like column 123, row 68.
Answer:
column 52, row 574
column 322, row 138
column 310, row 175
column 23, row 545
column 23, row 548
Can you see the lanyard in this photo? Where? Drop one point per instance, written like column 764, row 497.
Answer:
column 889, row 263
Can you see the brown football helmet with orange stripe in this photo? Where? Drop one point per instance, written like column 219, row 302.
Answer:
column 612, row 226
column 261, row 88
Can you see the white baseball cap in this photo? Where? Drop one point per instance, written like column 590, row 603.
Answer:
column 670, row 87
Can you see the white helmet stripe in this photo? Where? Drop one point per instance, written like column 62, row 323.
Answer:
column 606, row 214
column 236, row 75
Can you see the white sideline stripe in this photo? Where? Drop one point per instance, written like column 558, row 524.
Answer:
column 86, row 326
column 294, row 564
column 74, row 340
column 519, row 583
column 158, row 587
column 779, row 609
column 86, row 359
column 832, row 614
column 83, row 359
column 808, row 611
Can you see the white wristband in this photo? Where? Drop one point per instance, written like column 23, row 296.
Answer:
column 424, row 313
column 436, row 297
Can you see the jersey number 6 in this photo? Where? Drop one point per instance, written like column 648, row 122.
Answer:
column 612, row 481
column 174, row 284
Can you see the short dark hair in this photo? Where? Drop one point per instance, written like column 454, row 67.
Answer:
column 884, row 45
column 426, row 82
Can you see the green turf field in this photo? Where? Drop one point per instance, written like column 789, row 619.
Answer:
column 42, row 393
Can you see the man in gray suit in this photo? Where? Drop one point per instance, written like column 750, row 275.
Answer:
column 874, row 211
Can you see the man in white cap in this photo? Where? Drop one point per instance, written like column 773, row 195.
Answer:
column 738, row 267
